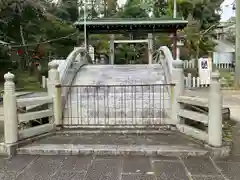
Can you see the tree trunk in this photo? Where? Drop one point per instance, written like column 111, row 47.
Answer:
column 197, row 54
column 197, row 51
column 237, row 58
column 24, row 44
column 105, row 8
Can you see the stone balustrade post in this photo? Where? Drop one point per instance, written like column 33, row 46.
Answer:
column 160, row 58
column 54, row 90
column 10, row 110
column 43, row 82
column 112, row 49
column 215, row 111
column 57, row 103
column 177, row 90
column 178, row 51
column 52, row 77
column 150, row 48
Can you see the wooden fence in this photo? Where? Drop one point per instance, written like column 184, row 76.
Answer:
column 191, row 82
column 191, row 64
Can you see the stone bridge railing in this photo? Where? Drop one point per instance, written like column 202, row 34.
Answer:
column 47, row 114
column 205, row 111
column 18, row 121
column 67, row 72
column 52, row 111
column 185, row 107
column 164, row 57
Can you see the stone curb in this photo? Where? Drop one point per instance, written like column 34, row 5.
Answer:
column 216, row 152
column 162, row 130
column 113, row 150
column 10, row 150
column 26, row 147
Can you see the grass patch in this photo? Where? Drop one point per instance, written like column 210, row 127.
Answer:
column 228, row 126
column 1, row 86
column 25, row 82
column 227, row 79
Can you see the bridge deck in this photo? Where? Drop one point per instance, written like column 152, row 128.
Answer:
column 134, row 95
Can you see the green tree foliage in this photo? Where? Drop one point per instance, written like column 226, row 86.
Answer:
column 207, row 12
column 198, row 40
column 133, row 9
column 203, row 17
column 132, row 53
column 67, row 10
column 36, row 21
column 159, row 8
column 231, row 30
column 32, row 22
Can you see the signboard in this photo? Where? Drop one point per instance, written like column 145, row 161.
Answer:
column 204, row 70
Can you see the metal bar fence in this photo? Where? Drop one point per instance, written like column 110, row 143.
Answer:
column 117, row 105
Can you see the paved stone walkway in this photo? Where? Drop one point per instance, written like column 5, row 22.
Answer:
column 118, row 168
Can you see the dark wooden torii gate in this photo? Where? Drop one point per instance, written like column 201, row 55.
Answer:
column 134, row 25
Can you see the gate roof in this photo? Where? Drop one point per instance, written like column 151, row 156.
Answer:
column 118, row 26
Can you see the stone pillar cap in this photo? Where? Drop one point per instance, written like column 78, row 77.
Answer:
column 53, row 65
column 9, row 76
column 177, row 63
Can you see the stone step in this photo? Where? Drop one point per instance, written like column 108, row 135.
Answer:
column 120, row 91
column 120, row 81
column 116, row 113
column 134, row 74
column 119, row 101
column 163, row 129
column 134, row 78
column 126, row 106
column 126, row 81
column 94, row 122
column 118, row 97
column 119, row 110
column 112, row 150
column 123, row 101
column 122, row 66
column 164, row 144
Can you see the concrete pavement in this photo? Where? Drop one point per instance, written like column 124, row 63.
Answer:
column 118, row 168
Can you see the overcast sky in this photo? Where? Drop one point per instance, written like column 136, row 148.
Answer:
column 227, row 10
